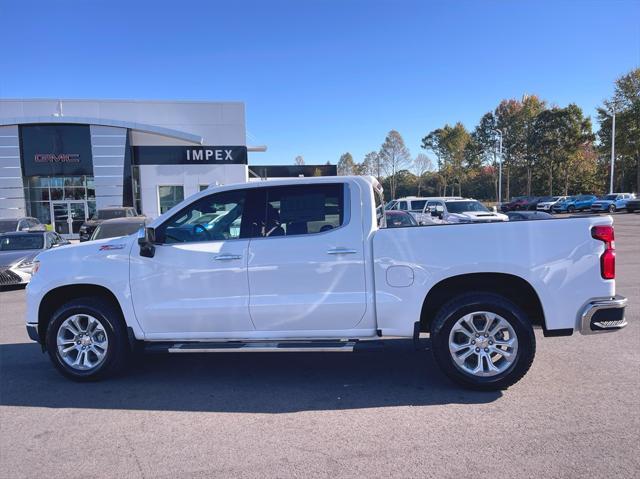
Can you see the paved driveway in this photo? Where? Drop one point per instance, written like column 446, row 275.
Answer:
column 375, row 414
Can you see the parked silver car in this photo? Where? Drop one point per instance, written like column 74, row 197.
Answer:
column 19, row 249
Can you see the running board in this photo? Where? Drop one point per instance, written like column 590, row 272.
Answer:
column 264, row 347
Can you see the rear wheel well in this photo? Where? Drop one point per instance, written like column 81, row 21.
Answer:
column 512, row 287
column 59, row 296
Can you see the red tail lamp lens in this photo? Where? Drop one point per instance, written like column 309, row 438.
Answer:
column 608, row 258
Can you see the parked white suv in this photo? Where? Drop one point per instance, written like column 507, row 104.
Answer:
column 303, row 265
column 459, row 211
column 546, row 203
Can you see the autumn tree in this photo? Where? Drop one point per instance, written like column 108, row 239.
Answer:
column 346, row 165
column 394, row 156
column 421, row 164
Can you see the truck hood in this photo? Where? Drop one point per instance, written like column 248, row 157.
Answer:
column 88, row 249
column 477, row 216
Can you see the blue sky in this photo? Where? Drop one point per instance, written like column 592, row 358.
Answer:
column 320, row 78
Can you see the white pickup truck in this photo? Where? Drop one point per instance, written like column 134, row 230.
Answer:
column 304, row 265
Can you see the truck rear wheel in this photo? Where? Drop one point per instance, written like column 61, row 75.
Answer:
column 483, row 341
column 86, row 339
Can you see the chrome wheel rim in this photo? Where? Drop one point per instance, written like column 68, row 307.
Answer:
column 82, row 342
column 483, row 344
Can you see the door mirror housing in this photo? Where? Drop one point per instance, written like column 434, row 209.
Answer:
column 146, row 241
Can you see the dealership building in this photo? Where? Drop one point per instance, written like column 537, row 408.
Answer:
column 60, row 160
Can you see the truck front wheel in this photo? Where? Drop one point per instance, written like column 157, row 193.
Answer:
column 86, row 339
column 483, row 341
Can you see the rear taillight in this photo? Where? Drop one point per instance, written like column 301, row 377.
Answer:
column 608, row 258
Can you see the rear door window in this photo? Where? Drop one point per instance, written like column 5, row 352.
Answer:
column 302, row 209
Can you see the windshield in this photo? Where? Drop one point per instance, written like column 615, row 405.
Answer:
column 110, row 214
column 8, row 225
column 463, row 206
column 21, row 242
column 610, row 197
column 116, row 229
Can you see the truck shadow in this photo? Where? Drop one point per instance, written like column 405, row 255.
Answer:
column 395, row 375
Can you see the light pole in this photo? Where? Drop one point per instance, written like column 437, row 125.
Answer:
column 499, row 132
column 613, row 144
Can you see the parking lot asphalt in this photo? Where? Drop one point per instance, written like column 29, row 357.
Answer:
column 386, row 413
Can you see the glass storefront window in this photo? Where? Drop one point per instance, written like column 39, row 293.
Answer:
column 39, row 191
column 75, row 193
column 169, row 196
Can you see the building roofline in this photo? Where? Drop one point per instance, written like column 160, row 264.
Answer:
column 146, row 128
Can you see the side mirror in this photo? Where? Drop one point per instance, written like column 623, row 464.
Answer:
column 146, row 241
column 494, row 209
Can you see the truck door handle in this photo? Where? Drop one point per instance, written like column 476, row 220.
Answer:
column 227, row 257
column 341, row 251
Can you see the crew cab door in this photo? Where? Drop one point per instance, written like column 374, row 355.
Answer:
column 196, row 283
column 306, row 271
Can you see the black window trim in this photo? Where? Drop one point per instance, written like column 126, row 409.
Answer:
column 260, row 194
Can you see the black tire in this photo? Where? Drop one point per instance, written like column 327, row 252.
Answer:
column 464, row 304
column 111, row 320
column 571, row 209
column 612, row 208
column 630, row 210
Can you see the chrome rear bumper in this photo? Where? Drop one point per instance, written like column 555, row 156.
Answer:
column 603, row 315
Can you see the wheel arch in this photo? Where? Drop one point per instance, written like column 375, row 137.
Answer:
column 514, row 288
column 58, row 296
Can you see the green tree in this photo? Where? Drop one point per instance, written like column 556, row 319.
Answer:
column 626, row 102
column 449, row 144
column 562, row 137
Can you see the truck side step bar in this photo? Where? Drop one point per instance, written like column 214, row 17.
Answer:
column 257, row 347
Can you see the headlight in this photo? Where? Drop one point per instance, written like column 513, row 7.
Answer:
column 26, row 265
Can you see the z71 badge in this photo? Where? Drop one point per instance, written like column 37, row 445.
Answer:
column 110, row 247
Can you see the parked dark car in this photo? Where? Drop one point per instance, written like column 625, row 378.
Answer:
column 633, row 205
column 118, row 227
column 87, row 228
column 517, row 203
column 528, row 215
column 18, row 250
column 20, row 224
column 397, row 219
